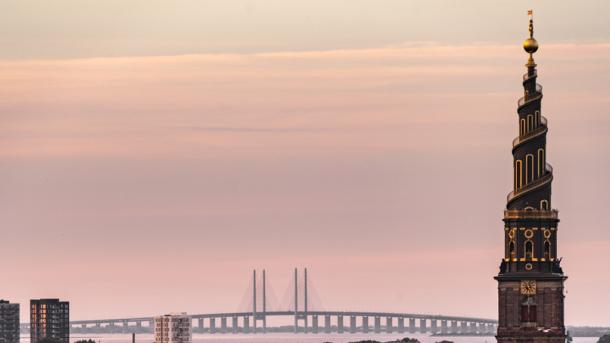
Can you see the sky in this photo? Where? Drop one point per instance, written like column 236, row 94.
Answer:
column 154, row 153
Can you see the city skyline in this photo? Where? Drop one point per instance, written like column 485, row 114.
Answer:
column 331, row 157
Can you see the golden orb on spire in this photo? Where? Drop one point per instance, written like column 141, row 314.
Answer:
column 530, row 45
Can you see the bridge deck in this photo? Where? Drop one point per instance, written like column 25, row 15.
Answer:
column 292, row 313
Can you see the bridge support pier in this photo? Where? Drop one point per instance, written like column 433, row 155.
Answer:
column 340, row 324
column 212, row 325
column 234, row 325
column 411, row 325
column 444, row 327
column 454, row 327
column 422, row 326
column 199, row 325
column 401, row 325
column 365, row 324
column 377, row 324
column 223, row 324
column 314, row 323
column 327, row 327
column 246, row 320
column 388, row 325
column 463, row 327
column 433, row 328
column 352, row 324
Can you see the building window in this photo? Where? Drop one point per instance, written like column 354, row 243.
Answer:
column 528, row 313
column 541, row 162
column 511, row 250
column 518, row 176
column 529, row 168
column 544, row 205
column 547, row 250
column 529, row 250
column 536, row 118
column 530, row 122
column 522, row 127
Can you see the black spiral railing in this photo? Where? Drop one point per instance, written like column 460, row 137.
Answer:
column 539, row 131
column 527, row 104
column 538, row 183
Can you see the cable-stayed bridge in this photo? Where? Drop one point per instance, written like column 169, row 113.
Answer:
column 304, row 318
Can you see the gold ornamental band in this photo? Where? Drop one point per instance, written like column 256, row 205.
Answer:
column 531, row 214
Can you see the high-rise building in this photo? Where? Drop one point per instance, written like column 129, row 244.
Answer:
column 173, row 328
column 49, row 318
column 530, row 282
column 9, row 322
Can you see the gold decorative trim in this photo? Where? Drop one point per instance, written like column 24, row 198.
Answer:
column 536, row 214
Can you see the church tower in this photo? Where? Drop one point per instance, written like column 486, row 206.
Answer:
column 530, row 282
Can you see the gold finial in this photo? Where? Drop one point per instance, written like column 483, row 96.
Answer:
column 530, row 45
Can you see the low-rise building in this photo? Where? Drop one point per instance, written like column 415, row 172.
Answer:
column 173, row 328
column 9, row 322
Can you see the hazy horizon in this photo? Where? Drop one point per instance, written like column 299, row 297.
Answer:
column 147, row 171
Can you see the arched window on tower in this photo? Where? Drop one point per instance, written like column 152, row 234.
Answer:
column 530, row 122
column 529, row 168
column 529, row 250
column 518, row 174
column 522, row 127
column 541, row 162
column 547, row 250
column 544, row 205
column 536, row 118
column 512, row 252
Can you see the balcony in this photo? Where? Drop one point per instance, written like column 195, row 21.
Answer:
column 541, row 128
column 526, row 76
column 536, row 95
column 541, row 180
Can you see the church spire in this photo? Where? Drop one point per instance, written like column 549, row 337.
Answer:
column 533, row 175
column 530, row 281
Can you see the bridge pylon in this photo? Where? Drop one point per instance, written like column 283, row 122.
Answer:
column 303, row 315
column 258, row 315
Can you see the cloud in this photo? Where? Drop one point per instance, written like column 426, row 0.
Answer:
column 396, row 94
column 257, row 129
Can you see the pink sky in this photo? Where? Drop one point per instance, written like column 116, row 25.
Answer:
column 137, row 186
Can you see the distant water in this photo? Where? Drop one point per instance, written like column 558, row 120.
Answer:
column 290, row 338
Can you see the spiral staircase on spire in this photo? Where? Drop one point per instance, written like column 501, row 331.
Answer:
column 529, row 140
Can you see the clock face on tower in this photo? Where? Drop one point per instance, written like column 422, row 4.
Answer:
column 528, row 287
